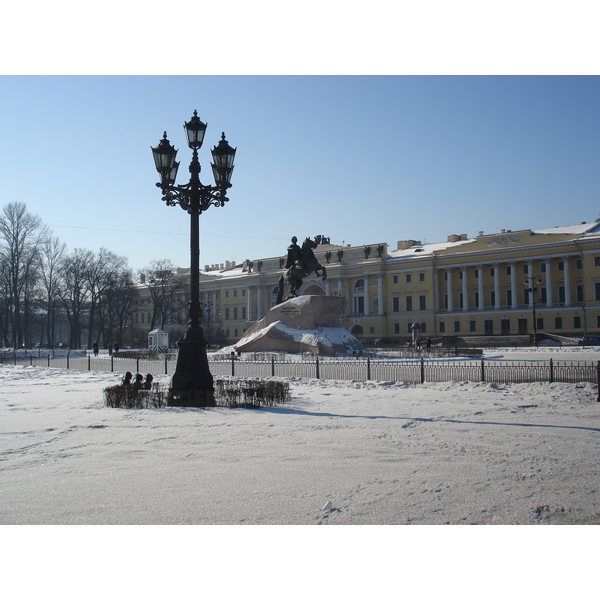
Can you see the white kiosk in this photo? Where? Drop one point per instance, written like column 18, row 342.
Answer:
column 158, row 341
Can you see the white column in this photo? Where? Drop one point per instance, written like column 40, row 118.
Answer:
column 436, row 295
column 548, row 283
column 449, row 290
column 379, row 294
column 249, row 294
column 465, row 290
column 497, row 286
column 567, row 282
column 513, row 285
column 480, row 288
column 366, row 280
column 259, row 314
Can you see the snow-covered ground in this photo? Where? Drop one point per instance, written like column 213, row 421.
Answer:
column 379, row 453
column 339, row 453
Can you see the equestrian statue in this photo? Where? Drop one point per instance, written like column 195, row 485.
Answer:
column 300, row 263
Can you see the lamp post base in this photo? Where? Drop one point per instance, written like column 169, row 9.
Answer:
column 192, row 383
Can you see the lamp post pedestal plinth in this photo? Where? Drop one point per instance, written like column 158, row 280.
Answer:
column 192, row 383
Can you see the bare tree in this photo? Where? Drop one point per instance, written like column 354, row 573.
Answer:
column 74, row 291
column 116, row 305
column 100, row 274
column 52, row 254
column 165, row 291
column 21, row 236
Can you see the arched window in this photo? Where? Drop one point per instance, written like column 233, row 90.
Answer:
column 358, row 296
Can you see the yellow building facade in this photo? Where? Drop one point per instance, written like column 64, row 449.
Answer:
column 489, row 285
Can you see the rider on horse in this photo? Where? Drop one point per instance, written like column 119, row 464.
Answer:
column 300, row 263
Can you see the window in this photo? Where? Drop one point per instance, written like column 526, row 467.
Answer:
column 476, row 273
column 578, row 264
column 227, row 314
column 396, row 327
column 442, row 327
column 235, row 296
column 492, row 272
column 460, row 274
column 243, row 292
column 372, row 330
column 422, row 302
column 421, row 276
column 423, row 327
column 396, row 304
column 557, row 322
column 526, row 269
column 472, row 326
column 597, row 261
column 540, row 323
column 359, row 305
column 543, row 296
column 409, row 303
column 235, row 313
column 543, row 268
column 579, row 293
column 476, row 297
column 461, row 300
column 456, row 326
column 226, row 293
column 561, row 293
column 561, row 265
column 493, row 298
column 409, row 278
column 243, row 312
column 577, row 322
column 597, row 291
column 395, row 279
column 509, row 297
column 508, row 270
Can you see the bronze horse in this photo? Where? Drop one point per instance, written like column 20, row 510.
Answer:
column 302, row 267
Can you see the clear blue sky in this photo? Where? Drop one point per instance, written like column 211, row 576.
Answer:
column 361, row 159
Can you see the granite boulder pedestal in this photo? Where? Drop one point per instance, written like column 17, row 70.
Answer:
column 302, row 324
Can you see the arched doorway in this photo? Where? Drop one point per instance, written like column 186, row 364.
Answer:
column 357, row 331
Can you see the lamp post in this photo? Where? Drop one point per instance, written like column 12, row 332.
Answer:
column 192, row 383
column 529, row 287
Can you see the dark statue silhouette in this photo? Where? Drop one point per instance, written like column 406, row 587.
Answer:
column 300, row 263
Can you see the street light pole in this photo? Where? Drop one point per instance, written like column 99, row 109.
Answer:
column 192, row 383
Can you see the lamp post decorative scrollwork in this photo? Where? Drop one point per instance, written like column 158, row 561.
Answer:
column 192, row 383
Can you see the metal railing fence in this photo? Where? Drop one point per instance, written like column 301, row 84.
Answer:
column 409, row 371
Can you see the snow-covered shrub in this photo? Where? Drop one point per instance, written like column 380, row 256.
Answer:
column 251, row 393
column 122, row 396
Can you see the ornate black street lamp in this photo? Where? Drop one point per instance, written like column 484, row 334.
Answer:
column 530, row 289
column 192, row 383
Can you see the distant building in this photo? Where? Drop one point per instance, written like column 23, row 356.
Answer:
column 463, row 286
